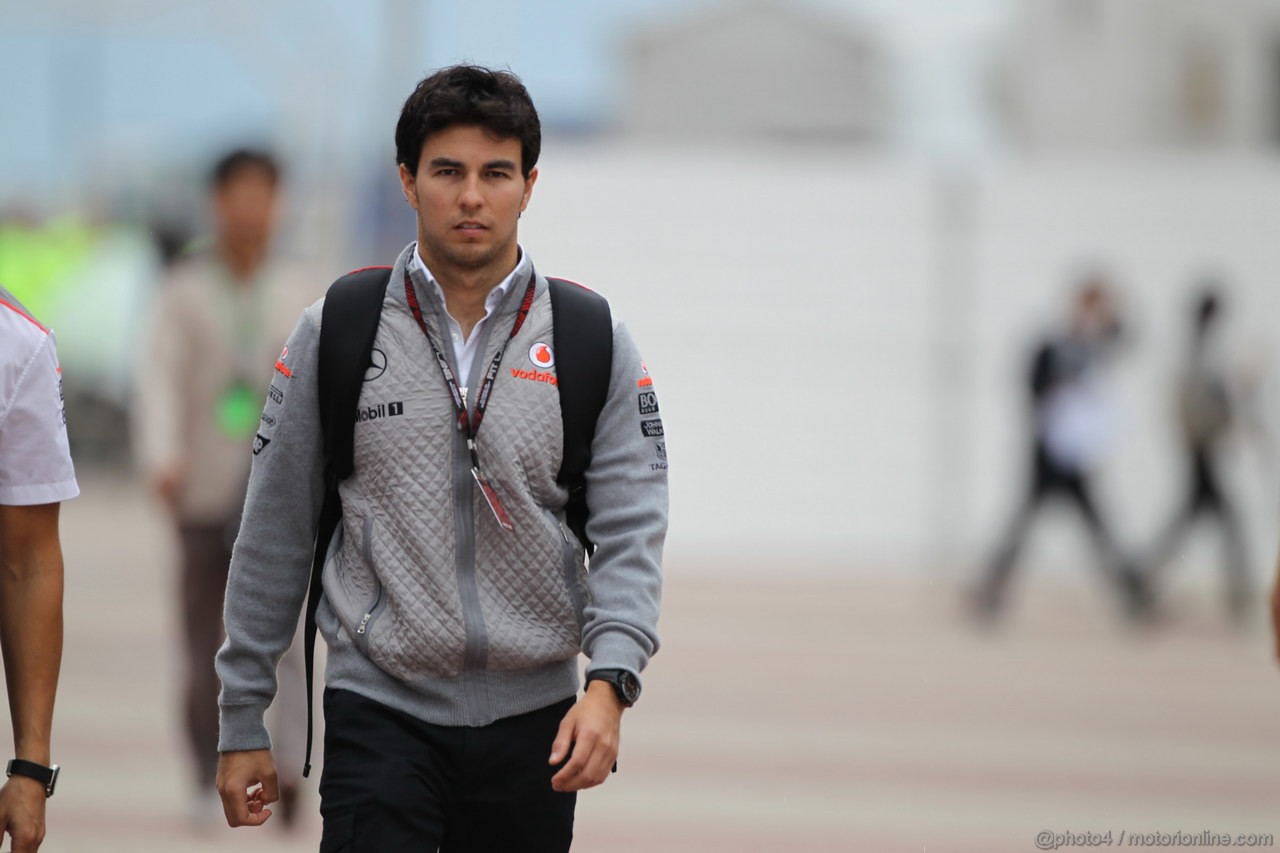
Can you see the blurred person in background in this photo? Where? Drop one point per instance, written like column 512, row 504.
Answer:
column 1071, row 424
column 36, row 475
column 455, row 599
column 1207, row 414
column 220, row 319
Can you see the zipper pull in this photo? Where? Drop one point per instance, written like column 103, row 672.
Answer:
column 463, row 389
column 364, row 623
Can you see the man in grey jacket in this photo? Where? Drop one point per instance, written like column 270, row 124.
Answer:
column 456, row 599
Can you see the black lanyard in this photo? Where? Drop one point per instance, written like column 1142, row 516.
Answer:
column 470, row 423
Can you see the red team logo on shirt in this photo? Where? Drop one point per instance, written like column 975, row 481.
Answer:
column 541, row 355
column 645, row 381
column 280, row 365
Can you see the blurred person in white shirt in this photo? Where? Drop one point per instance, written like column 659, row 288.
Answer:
column 1072, row 423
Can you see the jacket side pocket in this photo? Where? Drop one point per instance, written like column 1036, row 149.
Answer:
column 365, row 626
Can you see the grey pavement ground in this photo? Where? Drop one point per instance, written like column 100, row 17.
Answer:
column 787, row 712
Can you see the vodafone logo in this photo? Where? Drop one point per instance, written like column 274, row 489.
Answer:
column 541, row 355
column 535, row 376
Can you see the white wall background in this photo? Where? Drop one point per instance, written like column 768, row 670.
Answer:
column 842, row 380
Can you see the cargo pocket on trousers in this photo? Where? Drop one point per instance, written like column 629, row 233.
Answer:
column 339, row 833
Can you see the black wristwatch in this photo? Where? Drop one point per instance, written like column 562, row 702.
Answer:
column 47, row 776
column 626, row 685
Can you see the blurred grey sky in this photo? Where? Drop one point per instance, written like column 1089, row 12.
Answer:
column 90, row 86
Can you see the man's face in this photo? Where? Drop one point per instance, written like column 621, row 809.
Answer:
column 245, row 207
column 469, row 193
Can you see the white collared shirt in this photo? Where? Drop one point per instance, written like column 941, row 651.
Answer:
column 464, row 349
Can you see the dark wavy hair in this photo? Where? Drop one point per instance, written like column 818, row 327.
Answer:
column 240, row 160
column 469, row 94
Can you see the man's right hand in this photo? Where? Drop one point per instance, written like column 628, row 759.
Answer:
column 247, row 784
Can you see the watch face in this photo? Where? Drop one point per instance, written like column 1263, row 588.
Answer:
column 630, row 687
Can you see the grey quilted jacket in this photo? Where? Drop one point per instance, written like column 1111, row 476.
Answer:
column 429, row 606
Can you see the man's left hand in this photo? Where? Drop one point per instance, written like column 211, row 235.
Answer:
column 593, row 730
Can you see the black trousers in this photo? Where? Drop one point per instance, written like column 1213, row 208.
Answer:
column 394, row 784
column 1049, row 481
column 1207, row 499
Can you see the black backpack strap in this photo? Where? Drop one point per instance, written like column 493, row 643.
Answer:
column 583, row 342
column 351, row 314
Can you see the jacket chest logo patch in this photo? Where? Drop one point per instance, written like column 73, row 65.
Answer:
column 282, row 368
column 379, row 412
column 377, row 365
column 541, row 355
column 534, row 376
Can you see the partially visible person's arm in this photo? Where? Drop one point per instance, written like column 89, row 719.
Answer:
column 157, row 405
column 31, row 641
column 36, row 474
column 1275, row 609
column 31, row 621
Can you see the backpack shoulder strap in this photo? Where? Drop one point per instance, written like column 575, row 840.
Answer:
column 348, row 324
column 583, row 341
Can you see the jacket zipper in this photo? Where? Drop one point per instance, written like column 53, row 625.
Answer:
column 476, row 641
column 368, row 559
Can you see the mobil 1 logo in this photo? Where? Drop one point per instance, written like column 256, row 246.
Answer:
column 648, row 403
column 379, row 412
